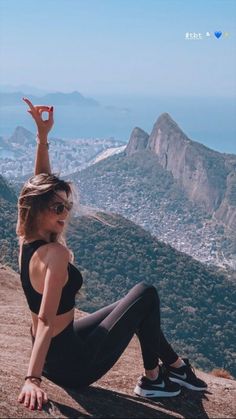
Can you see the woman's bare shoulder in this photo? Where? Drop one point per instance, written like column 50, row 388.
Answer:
column 47, row 254
column 53, row 250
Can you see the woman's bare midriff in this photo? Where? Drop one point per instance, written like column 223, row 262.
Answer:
column 61, row 321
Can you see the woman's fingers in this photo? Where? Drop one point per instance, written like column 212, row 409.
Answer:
column 27, row 398
column 35, row 116
column 32, row 110
column 45, row 397
column 43, row 107
column 37, row 108
column 40, row 111
column 33, row 399
column 50, row 115
column 21, row 397
column 28, row 103
column 42, row 398
column 44, row 125
column 39, row 399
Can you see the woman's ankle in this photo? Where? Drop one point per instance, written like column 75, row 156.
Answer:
column 177, row 364
column 152, row 374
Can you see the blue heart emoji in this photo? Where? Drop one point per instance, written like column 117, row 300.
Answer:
column 218, row 34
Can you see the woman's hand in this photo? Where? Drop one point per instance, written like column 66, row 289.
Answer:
column 31, row 393
column 36, row 112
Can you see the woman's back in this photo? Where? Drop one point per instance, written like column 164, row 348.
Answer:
column 32, row 274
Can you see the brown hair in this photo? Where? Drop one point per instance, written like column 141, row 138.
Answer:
column 35, row 195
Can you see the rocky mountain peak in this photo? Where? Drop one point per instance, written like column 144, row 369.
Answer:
column 199, row 170
column 203, row 173
column 138, row 141
column 22, row 136
column 165, row 134
column 164, row 121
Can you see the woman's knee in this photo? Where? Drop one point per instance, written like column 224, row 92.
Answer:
column 150, row 290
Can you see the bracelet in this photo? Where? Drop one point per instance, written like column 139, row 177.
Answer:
column 32, row 376
column 46, row 144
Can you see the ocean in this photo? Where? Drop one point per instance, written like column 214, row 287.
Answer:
column 210, row 121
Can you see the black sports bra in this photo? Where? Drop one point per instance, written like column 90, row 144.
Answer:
column 74, row 283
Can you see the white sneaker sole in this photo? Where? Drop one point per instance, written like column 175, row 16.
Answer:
column 154, row 393
column 187, row 385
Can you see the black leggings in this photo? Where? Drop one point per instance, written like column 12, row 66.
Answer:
column 88, row 347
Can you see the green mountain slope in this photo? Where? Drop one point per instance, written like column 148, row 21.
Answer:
column 8, row 216
column 139, row 188
column 197, row 303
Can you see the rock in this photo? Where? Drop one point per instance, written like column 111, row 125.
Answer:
column 207, row 176
column 226, row 210
column 138, row 141
column 22, row 136
column 111, row 396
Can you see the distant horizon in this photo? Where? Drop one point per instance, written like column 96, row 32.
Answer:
column 108, row 94
column 209, row 121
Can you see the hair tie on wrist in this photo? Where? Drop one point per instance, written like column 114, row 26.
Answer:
column 46, row 144
column 32, row 376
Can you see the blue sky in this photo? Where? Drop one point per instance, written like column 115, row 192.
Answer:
column 119, row 46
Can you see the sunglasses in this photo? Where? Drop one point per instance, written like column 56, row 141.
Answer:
column 59, row 207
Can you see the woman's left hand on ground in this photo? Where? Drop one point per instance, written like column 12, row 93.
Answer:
column 31, row 395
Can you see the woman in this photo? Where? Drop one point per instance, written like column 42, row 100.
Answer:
column 73, row 352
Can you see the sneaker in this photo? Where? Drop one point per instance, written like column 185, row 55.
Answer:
column 185, row 376
column 161, row 387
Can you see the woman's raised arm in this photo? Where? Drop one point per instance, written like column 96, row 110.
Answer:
column 42, row 162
